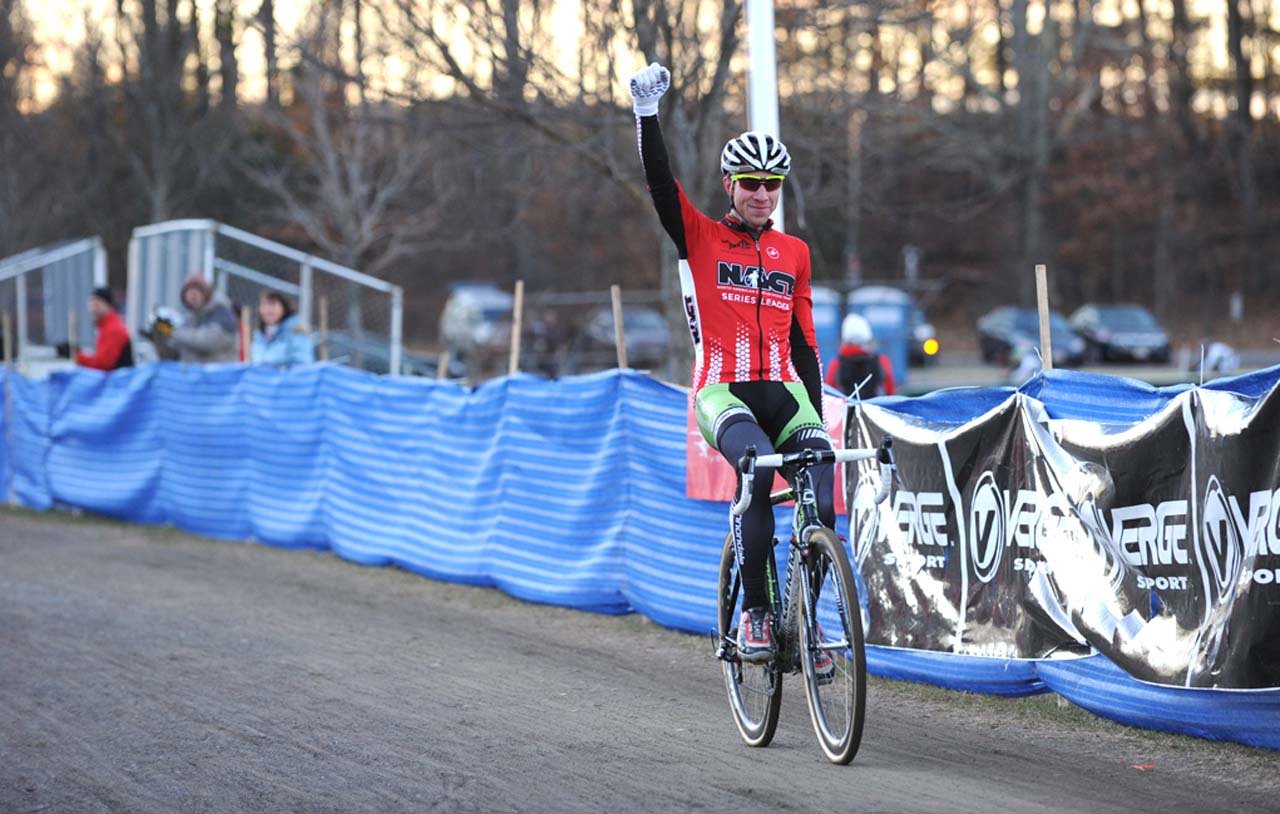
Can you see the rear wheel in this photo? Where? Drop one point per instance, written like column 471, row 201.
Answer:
column 832, row 656
column 755, row 690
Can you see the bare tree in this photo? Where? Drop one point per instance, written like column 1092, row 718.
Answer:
column 449, row 138
column 16, row 51
column 350, row 164
column 173, row 147
column 502, row 57
column 34, row 195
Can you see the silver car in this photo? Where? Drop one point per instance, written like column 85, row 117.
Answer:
column 476, row 321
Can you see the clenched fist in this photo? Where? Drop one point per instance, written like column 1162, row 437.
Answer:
column 647, row 87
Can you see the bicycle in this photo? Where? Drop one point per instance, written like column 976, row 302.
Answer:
column 820, row 596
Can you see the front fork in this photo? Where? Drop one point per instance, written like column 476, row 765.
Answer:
column 799, row 565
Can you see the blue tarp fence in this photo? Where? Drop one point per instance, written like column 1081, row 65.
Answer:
column 569, row 492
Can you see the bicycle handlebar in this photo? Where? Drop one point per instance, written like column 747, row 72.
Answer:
column 808, row 457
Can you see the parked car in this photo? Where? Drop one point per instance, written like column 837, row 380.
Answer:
column 476, row 323
column 647, row 336
column 1008, row 328
column 922, row 339
column 1120, row 333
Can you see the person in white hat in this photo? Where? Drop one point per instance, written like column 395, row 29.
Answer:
column 859, row 368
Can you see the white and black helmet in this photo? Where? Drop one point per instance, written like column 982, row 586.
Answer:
column 754, row 151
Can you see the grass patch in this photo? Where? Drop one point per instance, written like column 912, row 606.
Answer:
column 1052, row 710
column 59, row 516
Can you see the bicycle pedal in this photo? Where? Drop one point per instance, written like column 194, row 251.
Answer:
column 726, row 647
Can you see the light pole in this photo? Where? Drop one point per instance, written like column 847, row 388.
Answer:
column 762, row 78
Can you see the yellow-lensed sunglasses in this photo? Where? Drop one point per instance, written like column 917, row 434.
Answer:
column 753, row 182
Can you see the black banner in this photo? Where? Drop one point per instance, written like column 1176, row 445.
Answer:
column 1017, row 536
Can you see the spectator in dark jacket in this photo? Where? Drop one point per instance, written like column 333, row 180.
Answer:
column 210, row 332
column 112, row 348
column 859, row 362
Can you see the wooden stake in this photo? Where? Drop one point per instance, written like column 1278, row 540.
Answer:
column 324, row 327
column 6, row 336
column 619, row 334
column 246, row 333
column 72, row 336
column 1042, row 301
column 442, row 371
column 516, row 320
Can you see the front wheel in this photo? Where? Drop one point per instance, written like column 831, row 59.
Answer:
column 832, row 655
column 755, row 690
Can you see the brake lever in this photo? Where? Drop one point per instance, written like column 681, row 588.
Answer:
column 888, row 468
column 747, row 469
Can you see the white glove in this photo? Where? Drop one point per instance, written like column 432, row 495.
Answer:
column 647, row 87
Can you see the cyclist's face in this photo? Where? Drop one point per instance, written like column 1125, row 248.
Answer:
column 754, row 207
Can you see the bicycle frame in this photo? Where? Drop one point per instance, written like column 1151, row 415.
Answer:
column 795, row 585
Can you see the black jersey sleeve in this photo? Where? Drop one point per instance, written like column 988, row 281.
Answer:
column 662, row 183
column 805, row 358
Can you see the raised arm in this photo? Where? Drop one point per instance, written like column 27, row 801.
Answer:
column 647, row 88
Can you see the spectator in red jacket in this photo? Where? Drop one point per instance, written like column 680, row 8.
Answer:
column 859, row 362
column 113, row 349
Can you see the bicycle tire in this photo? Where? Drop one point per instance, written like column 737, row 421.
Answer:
column 837, row 704
column 754, row 690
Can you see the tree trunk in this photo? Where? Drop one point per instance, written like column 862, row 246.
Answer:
column 1243, row 76
column 150, row 34
column 1240, row 127
column 877, row 60
column 224, row 32
column 1181, row 78
column 193, row 43
column 512, row 73
column 856, row 134
column 1028, row 200
column 924, row 33
column 1002, row 48
column 1162, row 283
column 267, row 16
column 357, row 13
column 853, row 199
column 1149, row 109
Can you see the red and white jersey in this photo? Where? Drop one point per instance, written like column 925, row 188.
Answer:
column 744, row 296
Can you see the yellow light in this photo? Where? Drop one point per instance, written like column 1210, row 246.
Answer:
column 931, row 347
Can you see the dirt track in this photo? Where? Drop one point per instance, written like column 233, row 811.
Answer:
column 146, row 670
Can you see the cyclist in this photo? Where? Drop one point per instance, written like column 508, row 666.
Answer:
column 757, row 379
